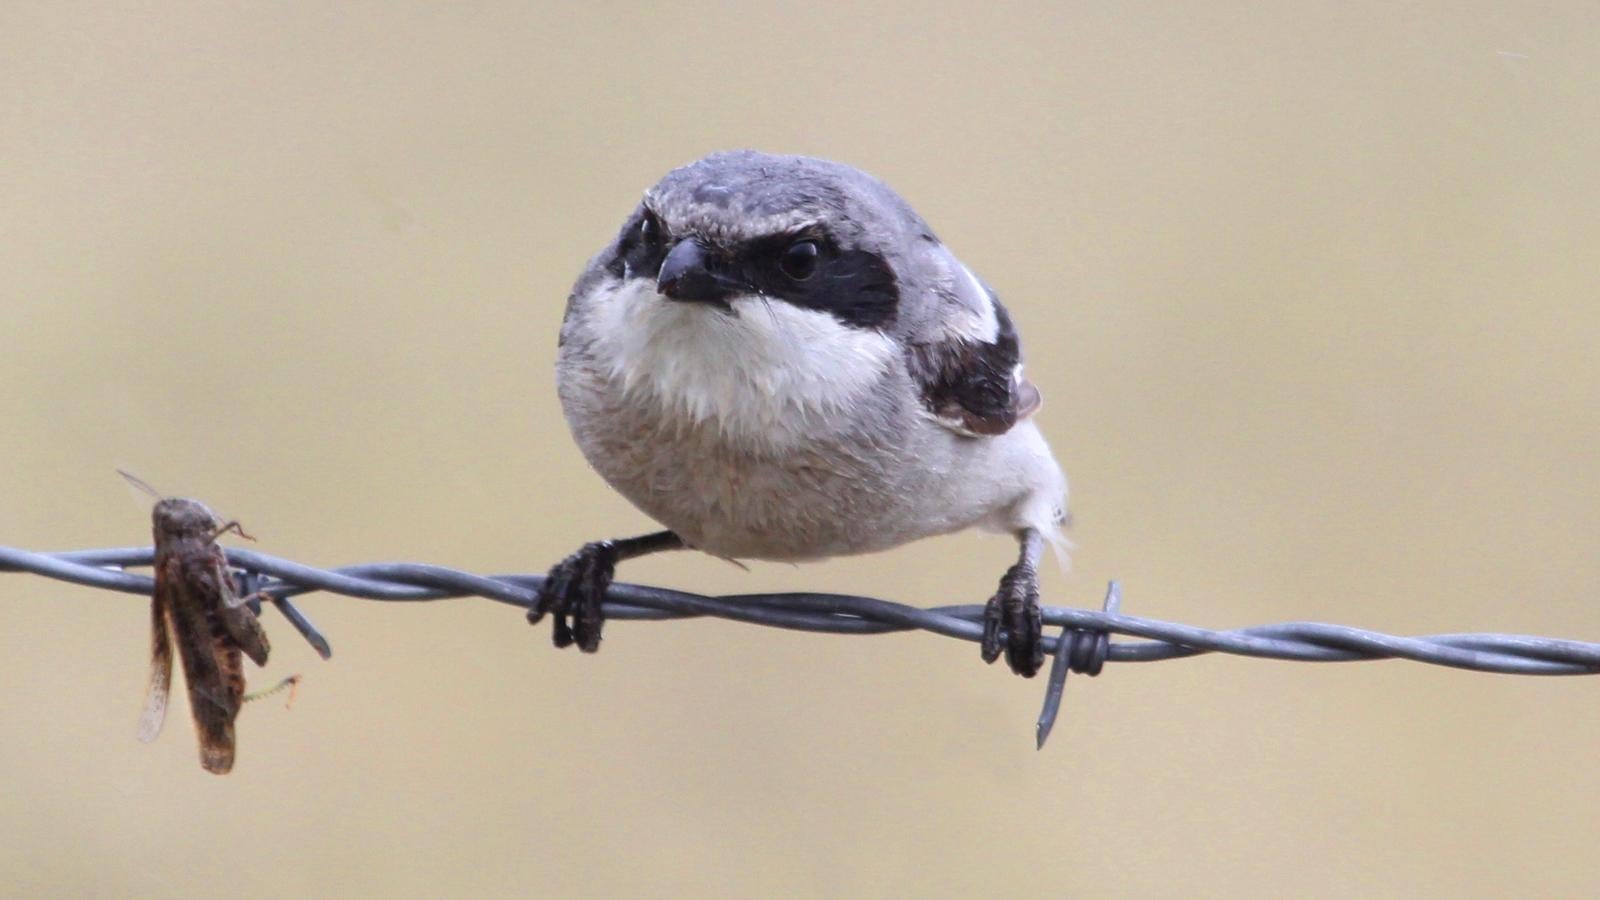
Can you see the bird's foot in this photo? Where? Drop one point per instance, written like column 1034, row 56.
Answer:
column 572, row 593
column 1011, row 622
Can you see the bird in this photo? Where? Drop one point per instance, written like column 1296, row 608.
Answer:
column 776, row 359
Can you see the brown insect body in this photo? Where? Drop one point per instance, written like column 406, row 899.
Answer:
column 196, row 605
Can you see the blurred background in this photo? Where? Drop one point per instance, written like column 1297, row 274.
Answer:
column 1310, row 289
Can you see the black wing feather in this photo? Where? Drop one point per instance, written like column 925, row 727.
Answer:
column 975, row 387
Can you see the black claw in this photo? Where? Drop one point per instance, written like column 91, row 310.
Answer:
column 1025, row 649
column 1012, row 616
column 990, row 647
column 572, row 594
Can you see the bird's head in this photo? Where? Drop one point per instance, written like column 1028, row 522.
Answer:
column 746, row 225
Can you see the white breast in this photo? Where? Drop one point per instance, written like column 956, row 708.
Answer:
column 767, row 374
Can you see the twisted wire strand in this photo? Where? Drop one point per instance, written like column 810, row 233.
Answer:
column 1081, row 646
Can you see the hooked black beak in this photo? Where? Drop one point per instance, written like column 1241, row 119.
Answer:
column 686, row 276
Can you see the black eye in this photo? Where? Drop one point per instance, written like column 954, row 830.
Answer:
column 649, row 229
column 799, row 261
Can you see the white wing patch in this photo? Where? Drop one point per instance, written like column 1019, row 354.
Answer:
column 984, row 326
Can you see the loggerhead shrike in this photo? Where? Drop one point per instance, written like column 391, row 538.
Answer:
column 776, row 359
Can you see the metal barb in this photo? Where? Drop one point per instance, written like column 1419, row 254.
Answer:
column 1085, row 632
column 1077, row 650
column 251, row 584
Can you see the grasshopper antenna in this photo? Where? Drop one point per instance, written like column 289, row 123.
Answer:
column 141, row 484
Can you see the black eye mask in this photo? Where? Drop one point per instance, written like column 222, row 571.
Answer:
column 806, row 270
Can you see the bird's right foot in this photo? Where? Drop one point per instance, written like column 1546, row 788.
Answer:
column 572, row 593
column 575, row 588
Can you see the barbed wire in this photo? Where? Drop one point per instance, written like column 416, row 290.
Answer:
column 1082, row 645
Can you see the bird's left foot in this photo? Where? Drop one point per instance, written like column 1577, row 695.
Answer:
column 573, row 592
column 1011, row 621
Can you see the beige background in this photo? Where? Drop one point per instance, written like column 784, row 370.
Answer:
column 1311, row 290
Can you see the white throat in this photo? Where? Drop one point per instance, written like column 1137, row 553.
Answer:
column 768, row 373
